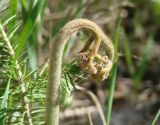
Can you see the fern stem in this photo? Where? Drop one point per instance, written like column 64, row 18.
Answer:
column 52, row 99
column 25, row 102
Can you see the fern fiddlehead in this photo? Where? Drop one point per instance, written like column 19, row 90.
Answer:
column 90, row 61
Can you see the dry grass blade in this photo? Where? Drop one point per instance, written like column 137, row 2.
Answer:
column 96, row 102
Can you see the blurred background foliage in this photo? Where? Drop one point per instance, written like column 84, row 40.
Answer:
column 134, row 84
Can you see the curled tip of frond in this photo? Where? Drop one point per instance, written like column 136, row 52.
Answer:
column 97, row 66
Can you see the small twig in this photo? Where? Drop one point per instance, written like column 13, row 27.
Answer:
column 96, row 102
column 133, row 56
column 53, row 16
column 77, row 112
column 89, row 118
column 25, row 102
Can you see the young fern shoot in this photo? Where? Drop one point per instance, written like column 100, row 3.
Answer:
column 97, row 66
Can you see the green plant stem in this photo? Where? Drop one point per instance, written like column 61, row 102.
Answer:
column 25, row 102
column 111, row 93
column 155, row 120
column 52, row 99
column 113, row 74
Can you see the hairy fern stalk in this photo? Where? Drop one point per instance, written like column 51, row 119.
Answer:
column 86, row 61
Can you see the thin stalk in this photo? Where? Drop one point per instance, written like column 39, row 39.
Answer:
column 113, row 74
column 25, row 102
column 55, row 65
column 155, row 120
column 96, row 101
column 111, row 94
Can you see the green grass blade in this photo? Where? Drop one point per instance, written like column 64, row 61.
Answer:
column 111, row 93
column 128, row 54
column 113, row 75
column 32, row 44
column 156, row 118
column 143, row 63
column 32, row 53
column 13, row 4
column 24, row 5
column 116, row 41
column 25, row 10
column 4, row 105
column 28, row 26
